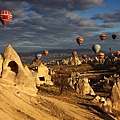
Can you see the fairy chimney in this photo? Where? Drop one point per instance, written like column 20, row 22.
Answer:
column 42, row 76
column 115, row 95
column 83, row 87
column 13, row 71
column 77, row 61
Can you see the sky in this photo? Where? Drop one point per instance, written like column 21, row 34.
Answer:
column 56, row 24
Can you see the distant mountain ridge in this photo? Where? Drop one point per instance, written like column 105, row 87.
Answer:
column 68, row 51
column 56, row 54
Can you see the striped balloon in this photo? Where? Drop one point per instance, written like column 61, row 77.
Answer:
column 5, row 17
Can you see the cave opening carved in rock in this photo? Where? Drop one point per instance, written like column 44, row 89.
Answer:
column 14, row 67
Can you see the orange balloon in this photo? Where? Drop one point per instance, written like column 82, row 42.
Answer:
column 117, row 53
column 101, row 55
column 45, row 52
column 102, row 37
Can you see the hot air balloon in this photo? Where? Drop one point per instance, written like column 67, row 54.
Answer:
column 38, row 55
column 79, row 40
column 102, row 37
column 5, row 17
column 96, row 48
column 110, row 49
column 114, row 36
column 45, row 52
column 101, row 55
column 84, row 56
column 117, row 53
column 74, row 53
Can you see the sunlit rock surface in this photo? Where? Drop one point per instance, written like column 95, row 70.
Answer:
column 13, row 71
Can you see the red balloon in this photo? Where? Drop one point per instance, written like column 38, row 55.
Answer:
column 114, row 36
column 102, row 37
column 5, row 17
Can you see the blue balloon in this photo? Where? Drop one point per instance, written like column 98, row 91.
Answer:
column 38, row 55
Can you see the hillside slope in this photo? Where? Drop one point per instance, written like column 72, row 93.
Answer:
column 16, row 105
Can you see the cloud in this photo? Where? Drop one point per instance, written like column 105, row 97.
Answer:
column 114, row 25
column 108, row 17
column 53, row 23
column 64, row 4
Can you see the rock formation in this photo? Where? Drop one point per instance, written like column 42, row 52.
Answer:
column 71, row 61
column 77, row 61
column 83, row 87
column 14, row 72
column 1, row 62
column 111, row 104
column 42, row 76
column 115, row 95
column 103, row 103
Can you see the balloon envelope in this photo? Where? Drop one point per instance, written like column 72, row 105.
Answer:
column 79, row 40
column 5, row 17
column 110, row 49
column 38, row 55
column 114, row 36
column 117, row 53
column 101, row 55
column 84, row 56
column 96, row 48
column 45, row 52
column 102, row 37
